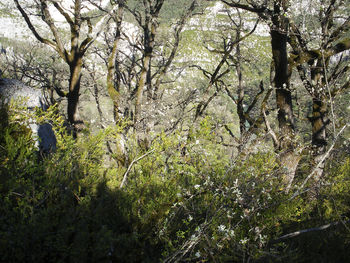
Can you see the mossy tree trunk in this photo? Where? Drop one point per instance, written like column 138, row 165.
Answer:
column 113, row 84
column 317, row 76
column 149, row 25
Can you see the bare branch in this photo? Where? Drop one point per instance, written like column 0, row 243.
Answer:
column 49, row 21
column 178, row 30
column 125, row 177
column 320, row 162
column 65, row 14
column 258, row 10
column 308, row 230
column 32, row 28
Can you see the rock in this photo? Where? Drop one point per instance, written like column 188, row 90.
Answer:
column 14, row 89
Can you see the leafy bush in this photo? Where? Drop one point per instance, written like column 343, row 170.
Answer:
column 184, row 200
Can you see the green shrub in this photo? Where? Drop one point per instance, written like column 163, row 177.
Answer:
column 184, row 200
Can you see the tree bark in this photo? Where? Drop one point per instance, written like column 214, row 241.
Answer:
column 139, row 92
column 281, row 80
column 73, row 94
column 289, row 159
column 319, row 122
column 240, row 91
column 149, row 29
column 112, row 84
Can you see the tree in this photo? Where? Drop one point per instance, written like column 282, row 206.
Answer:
column 274, row 14
column 227, row 46
column 321, row 69
column 113, row 83
column 78, row 46
column 139, row 65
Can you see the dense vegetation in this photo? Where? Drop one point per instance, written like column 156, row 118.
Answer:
column 200, row 137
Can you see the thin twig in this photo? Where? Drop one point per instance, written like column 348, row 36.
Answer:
column 131, row 165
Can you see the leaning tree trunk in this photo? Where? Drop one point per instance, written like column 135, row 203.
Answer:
column 319, row 119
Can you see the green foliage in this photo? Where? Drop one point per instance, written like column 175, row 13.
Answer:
column 185, row 200
column 336, row 204
column 56, row 208
column 331, row 205
column 188, row 197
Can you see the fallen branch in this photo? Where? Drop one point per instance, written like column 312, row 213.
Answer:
column 131, row 165
column 300, row 232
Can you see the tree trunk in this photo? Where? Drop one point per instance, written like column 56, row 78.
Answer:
column 240, row 93
column 319, row 122
column 289, row 159
column 140, row 88
column 281, row 83
column 73, row 94
column 112, row 83
column 150, row 29
column 112, row 88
